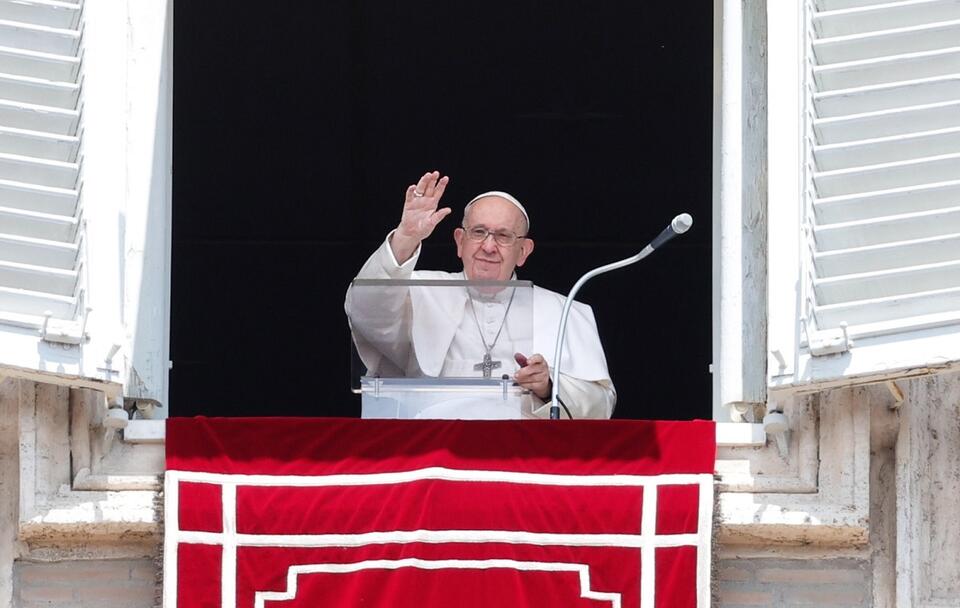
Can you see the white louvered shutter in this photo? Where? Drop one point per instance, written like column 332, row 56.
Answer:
column 879, row 213
column 85, row 189
column 41, row 243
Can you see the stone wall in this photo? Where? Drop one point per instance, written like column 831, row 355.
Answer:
column 94, row 583
column 828, row 583
column 856, row 508
column 78, row 523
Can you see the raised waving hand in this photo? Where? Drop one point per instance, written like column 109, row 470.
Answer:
column 420, row 214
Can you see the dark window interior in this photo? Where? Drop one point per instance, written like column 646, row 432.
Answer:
column 298, row 125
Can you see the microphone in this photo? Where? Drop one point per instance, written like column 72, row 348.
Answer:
column 678, row 226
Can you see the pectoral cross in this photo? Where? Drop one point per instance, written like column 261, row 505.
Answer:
column 487, row 365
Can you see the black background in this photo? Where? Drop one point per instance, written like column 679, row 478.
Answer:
column 297, row 127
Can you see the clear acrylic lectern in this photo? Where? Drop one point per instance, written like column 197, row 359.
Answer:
column 440, row 348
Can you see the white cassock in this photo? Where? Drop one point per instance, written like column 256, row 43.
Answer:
column 434, row 332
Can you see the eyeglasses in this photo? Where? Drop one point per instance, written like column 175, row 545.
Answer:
column 502, row 237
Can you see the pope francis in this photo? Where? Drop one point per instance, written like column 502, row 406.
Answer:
column 443, row 335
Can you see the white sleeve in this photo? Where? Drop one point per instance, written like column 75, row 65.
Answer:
column 383, row 264
column 380, row 325
column 584, row 398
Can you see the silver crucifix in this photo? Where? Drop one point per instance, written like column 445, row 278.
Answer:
column 487, row 365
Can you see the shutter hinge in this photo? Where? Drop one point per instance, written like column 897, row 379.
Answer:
column 830, row 342
column 69, row 332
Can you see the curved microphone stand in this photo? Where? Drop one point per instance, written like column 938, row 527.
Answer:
column 679, row 225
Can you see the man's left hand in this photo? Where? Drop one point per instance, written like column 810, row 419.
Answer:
column 534, row 375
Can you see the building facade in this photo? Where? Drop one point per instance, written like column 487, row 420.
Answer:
column 836, row 312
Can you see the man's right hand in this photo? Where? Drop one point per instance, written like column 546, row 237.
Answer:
column 420, row 214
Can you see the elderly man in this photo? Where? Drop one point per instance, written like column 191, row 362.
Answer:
column 492, row 242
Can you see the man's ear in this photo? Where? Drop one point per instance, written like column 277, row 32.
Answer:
column 458, row 239
column 526, row 248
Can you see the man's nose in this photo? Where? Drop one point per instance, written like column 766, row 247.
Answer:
column 489, row 243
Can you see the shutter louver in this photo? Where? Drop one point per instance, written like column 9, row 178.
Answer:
column 40, row 211
column 884, row 181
